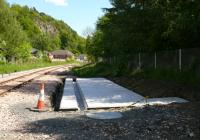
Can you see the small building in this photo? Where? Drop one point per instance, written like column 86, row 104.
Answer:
column 61, row 54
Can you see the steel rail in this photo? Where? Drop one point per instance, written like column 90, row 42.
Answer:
column 18, row 77
column 44, row 72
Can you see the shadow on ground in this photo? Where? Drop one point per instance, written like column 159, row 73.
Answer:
column 158, row 122
column 34, row 87
column 158, row 88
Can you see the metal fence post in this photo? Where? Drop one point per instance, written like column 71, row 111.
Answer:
column 139, row 60
column 180, row 59
column 155, row 60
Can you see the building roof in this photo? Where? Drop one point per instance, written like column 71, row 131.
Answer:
column 62, row 52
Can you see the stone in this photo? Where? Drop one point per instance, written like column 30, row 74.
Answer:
column 191, row 134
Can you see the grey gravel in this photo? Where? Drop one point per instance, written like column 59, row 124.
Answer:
column 178, row 121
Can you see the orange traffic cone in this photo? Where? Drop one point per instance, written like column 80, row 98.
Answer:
column 40, row 104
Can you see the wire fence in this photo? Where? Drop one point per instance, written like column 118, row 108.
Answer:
column 180, row 59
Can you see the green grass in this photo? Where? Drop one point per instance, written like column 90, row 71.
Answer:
column 106, row 70
column 95, row 70
column 9, row 68
column 188, row 77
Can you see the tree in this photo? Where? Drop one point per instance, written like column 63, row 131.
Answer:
column 23, row 27
column 2, row 46
column 10, row 32
column 24, row 51
column 88, row 31
column 132, row 26
column 57, row 33
column 42, row 42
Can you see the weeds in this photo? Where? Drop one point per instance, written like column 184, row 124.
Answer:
column 9, row 67
column 107, row 70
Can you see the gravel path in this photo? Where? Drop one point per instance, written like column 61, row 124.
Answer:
column 14, row 108
column 156, row 122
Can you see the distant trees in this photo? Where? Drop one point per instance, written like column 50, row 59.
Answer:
column 132, row 26
column 10, row 32
column 23, row 28
column 53, row 34
column 88, row 31
column 2, row 46
column 24, row 51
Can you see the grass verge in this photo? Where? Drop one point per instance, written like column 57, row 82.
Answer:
column 95, row 70
column 9, row 68
column 151, row 82
column 106, row 70
column 185, row 77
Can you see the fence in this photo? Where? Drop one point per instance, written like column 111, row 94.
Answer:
column 181, row 59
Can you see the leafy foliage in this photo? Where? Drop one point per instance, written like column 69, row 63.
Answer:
column 132, row 26
column 23, row 28
column 24, row 51
column 10, row 32
column 95, row 70
column 54, row 34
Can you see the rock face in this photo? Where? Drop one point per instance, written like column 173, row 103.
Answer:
column 46, row 27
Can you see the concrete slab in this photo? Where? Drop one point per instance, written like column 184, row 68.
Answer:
column 104, row 115
column 103, row 93
column 68, row 101
column 161, row 101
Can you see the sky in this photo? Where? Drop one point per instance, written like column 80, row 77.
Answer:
column 78, row 14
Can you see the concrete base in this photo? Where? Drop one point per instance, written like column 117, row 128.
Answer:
column 102, row 93
column 68, row 101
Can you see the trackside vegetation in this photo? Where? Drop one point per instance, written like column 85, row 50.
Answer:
column 127, row 28
column 131, row 27
column 23, row 28
column 108, row 70
column 16, row 67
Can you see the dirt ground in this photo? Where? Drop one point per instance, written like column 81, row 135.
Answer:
column 176, row 121
column 157, row 88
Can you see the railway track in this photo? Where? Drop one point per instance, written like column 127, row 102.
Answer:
column 15, row 82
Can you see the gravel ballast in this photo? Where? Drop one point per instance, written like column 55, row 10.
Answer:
column 176, row 121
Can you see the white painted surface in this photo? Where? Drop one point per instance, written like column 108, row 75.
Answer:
column 69, row 99
column 102, row 93
column 161, row 101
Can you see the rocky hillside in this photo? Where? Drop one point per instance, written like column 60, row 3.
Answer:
column 41, row 27
column 46, row 27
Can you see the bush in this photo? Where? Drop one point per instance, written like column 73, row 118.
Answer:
column 2, row 62
column 24, row 51
column 186, row 76
column 45, row 58
column 70, row 59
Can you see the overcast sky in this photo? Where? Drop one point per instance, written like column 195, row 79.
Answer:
column 79, row 14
